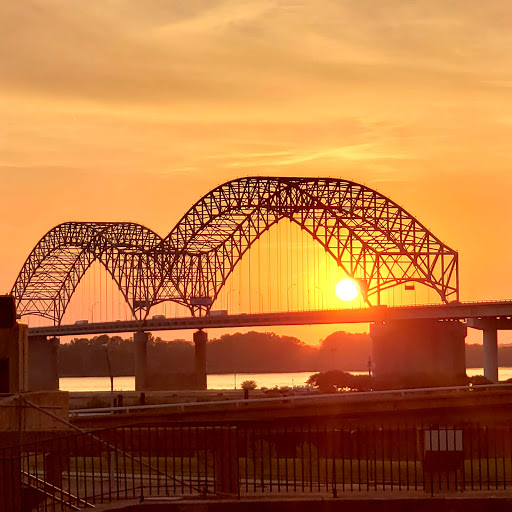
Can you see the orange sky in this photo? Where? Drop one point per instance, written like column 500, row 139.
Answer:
column 128, row 110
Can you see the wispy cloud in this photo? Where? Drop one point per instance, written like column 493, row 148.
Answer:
column 356, row 152
column 263, row 52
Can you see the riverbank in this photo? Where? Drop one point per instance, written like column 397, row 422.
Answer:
column 91, row 399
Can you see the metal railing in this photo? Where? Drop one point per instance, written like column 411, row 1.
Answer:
column 77, row 471
column 317, row 398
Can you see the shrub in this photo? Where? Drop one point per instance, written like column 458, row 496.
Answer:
column 249, row 384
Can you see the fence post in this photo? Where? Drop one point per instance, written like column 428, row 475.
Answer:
column 333, row 449
column 10, row 480
column 55, row 462
column 226, row 461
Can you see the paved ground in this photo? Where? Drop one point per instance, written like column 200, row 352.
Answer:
column 487, row 501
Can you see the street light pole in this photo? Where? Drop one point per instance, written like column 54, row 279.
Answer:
column 92, row 311
column 288, row 295
column 110, row 375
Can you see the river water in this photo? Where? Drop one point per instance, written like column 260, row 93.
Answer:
column 224, row 381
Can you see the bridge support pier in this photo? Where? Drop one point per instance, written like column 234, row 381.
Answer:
column 200, row 339
column 490, row 327
column 490, row 337
column 43, row 372
column 419, row 353
column 140, row 340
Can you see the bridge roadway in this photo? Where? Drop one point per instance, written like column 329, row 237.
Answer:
column 476, row 312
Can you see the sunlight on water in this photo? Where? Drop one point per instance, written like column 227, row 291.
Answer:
column 215, row 381
column 223, row 381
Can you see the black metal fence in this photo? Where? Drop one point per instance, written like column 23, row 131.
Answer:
column 79, row 470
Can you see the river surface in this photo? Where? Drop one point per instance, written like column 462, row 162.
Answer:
column 224, row 381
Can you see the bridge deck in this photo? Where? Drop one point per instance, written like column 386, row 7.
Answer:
column 454, row 311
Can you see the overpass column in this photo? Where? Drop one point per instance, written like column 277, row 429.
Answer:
column 200, row 339
column 140, row 339
column 490, row 351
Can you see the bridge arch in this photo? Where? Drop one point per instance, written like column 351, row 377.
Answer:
column 61, row 258
column 372, row 239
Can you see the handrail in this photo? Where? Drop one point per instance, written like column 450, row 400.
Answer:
column 54, row 488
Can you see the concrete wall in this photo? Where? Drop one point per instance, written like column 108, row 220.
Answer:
column 14, row 357
column 419, row 352
column 26, row 411
column 27, row 364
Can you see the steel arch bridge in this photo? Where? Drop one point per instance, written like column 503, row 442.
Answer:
column 371, row 238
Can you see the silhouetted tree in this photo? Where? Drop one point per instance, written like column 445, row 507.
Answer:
column 335, row 380
column 477, row 380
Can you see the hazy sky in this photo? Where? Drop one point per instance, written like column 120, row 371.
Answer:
column 130, row 110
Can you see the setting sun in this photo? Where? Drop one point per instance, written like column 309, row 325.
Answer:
column 347, row 290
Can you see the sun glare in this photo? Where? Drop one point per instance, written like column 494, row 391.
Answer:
column 347, row 290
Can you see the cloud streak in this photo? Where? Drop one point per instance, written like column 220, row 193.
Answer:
column 267, row 52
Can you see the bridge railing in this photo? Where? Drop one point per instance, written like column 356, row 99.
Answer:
column 323, row 458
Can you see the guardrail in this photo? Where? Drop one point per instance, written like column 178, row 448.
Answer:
column 324, row 398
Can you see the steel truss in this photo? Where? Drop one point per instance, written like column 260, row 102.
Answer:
column 372, row 239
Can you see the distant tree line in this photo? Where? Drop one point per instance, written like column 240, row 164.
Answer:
column 475, row 355
column 252, row 352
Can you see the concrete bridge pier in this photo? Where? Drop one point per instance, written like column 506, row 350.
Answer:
column 140, row 340
column 43, row 371
column 419, row 353
column 490, row 337
column 490, row 327
column 200, row 339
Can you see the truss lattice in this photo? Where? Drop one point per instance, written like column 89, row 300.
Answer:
column 371, row 238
